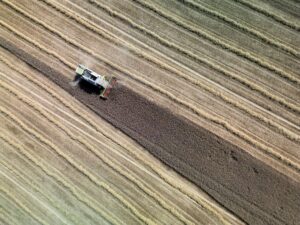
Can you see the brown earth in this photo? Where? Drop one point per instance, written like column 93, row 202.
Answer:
column 73, row 167
column 202, row 73
column 252, row 190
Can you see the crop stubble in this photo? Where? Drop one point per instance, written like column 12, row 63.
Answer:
column 216, row 166
column 184, row 147
column 53, row 94
column 24, row 99
column 83, row 48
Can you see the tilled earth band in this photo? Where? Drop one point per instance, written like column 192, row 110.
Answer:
column 250, row 189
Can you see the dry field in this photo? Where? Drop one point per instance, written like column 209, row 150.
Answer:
column 203, row 127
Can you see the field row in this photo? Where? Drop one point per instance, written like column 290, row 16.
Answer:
column 221, row 40
column 269, row 122
column 206, row 62
column 44, row 137
column 216, row 66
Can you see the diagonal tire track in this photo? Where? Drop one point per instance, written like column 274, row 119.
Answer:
column 201, row 201
column 38, row 65
column 292, row 136
column 196, row 58
column 269, row 14
column 96, row 107
column 252, row 57
column 71, row 160
column 156, row 196
column 197, row 6
column 117, row 105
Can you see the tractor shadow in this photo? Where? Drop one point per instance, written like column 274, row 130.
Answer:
column 85, row 86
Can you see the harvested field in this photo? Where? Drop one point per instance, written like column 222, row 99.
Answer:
column 202, row 128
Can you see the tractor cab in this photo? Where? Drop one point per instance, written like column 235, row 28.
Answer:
column 104, row 83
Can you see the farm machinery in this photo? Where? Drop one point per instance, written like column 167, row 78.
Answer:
column 104, row 83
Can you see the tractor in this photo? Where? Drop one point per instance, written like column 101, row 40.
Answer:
column 104, row 83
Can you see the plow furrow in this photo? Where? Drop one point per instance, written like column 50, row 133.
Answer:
column 159, row 199
column 56, row 175
column 77, row 166
column 202, row 60
column 111, row 165
column 14, row 176
column 279, row 128
column 124, row 145
column 60, row 179
column 198, row 7
column 252, row 57
column 267, row 150
column 201, row 128
column 5, row 218
column 269, row 14
column 21, row 205
column 6, row 214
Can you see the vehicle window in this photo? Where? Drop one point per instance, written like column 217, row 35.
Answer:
column 93, row 77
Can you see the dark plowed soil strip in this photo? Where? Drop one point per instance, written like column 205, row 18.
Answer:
column 247, row 187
